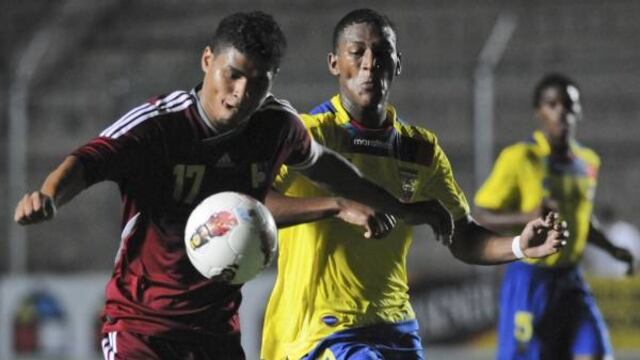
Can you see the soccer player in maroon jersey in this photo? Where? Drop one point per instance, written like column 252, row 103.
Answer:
column 227, row 134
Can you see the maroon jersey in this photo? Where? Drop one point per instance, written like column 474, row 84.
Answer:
column 166, row 158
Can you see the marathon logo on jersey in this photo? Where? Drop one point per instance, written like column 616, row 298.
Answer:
column 409, row 183
column 218, row 224
column 371, row 143
column 370, row 146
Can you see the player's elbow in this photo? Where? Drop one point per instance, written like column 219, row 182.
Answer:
column 464, row 246
column 463, row 251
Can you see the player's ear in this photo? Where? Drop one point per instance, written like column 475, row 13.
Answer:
column 399, row 64
column 332, row 62
column 207, row 58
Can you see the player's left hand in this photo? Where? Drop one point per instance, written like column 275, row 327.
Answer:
column 376, row 225
column 624, row 255
column 543, row 237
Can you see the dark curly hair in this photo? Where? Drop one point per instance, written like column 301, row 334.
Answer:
column 255, row 34
column 359, row 16
column 556, row 80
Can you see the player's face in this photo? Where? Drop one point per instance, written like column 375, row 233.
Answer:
column 365, row 61
column 559, row 111
column 234, row 86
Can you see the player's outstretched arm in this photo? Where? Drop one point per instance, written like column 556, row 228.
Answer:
column 476, row 244
column 508, row 220
column 288, row 211
column 335, row 173
column 60, row 186
column 599, row 239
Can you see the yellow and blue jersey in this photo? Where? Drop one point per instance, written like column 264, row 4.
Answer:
column 329, row 277
column 525, row 174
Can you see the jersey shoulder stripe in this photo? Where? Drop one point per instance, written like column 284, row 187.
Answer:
column 417, row 145
column 273, row 103
column 174, row 102
column 325, row 107
column 136, row 112
column 588, row 154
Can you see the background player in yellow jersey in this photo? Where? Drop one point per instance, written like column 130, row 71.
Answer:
column 547, row 311
column 338, row 296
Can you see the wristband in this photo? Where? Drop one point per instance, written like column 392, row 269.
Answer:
column 515, row 247
column 50, row 205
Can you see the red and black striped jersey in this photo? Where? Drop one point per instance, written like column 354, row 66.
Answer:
column 166, row 158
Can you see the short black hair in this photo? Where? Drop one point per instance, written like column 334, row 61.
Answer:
column 556, row 80
column 359, row 16
column 255, row 34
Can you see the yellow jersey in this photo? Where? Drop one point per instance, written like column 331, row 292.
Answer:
column 330, row 277
column 525, row 174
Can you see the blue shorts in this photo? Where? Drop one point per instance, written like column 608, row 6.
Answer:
column 548, row 313
column 399, row 341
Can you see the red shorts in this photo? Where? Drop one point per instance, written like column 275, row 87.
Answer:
column 120, row 345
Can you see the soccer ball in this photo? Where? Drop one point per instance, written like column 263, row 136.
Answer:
column 230, row 237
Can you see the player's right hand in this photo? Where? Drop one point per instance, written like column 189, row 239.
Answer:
column 435, row 214
column 33, row 208
column 544, row 236
column 376, row 225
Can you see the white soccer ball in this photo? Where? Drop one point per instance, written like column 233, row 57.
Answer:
column 230, row 237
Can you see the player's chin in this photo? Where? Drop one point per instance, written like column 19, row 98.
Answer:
column 368, row 99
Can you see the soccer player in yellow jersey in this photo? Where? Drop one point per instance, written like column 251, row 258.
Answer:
column 338, row 296
column 547, row 311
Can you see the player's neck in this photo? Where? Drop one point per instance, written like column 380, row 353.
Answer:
column 560, row 149
column 374, row 117
column 206, row 112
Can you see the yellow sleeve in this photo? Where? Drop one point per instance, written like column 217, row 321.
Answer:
column 500, row 190
column 442, row 185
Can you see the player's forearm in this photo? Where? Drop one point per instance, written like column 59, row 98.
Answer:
column 340, row 177
column 65, row 182
column 288, row 211
column 477, row 245
column 597, row 238
column 500, row 222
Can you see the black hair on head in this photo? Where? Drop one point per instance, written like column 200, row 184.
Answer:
column 359, row 16
column 255, row 34
column 556, row 80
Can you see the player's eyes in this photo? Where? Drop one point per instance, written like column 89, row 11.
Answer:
column 356, row 51
column 233, row 74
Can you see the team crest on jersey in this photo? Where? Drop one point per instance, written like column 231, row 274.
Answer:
column 218, row 224
column 409, row 183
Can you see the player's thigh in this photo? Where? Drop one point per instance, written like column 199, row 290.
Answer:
column 118, row 345
column 590, row 357
column 226, row 347
column 349, row 351
column 518, row 313
column 131, row 346
column 591, row 339
column 366, row 351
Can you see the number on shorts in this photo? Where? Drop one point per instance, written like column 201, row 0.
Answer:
column 523, row 329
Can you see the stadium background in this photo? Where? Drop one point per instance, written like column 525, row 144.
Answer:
column 100, row 58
